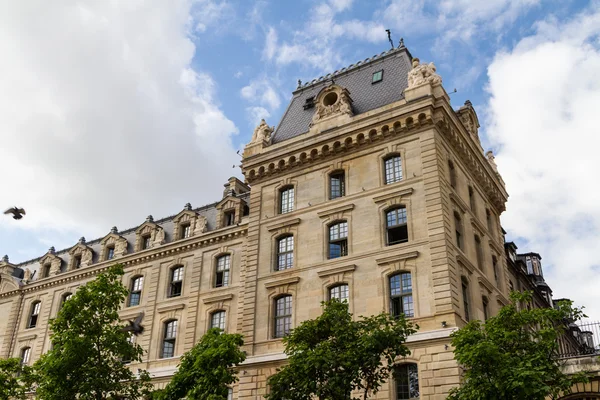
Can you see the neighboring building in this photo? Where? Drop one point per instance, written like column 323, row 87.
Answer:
column 372, row 189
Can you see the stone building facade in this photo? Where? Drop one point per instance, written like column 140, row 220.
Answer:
column 372, row 188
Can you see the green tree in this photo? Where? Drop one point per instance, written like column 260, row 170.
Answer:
column 89, row 346
column 332, row 355
column 514, row 354
column 207, row 370
column 15, row 379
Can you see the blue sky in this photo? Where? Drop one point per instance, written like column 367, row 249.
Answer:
column 115, row 110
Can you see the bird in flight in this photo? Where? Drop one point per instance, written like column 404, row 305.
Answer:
column 16, row 212
column 134, row 326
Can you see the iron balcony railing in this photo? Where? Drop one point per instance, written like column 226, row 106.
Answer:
column 580, row 339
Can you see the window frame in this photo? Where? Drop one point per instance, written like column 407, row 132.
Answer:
column 46, row 268
column 225, row 272
column 110, row 252
column 479, row 256
column 34, row 314
column 172, row 340
column 380, row 72
column 340, row 297
column 288, row 254
column 64, row 298
column 185, row 230
column 340, row 240
column 472, row 200
column 466, row 299
column 495, row 268
column 388, row 228
column 222, row 319
column 229, row 217
column 452, row 172
column 340, row 175
column 458, row 231
column 286, row 317
column 287, row 205
column 175, row 283
column 396, row 300
column 407, row 374
column 395, row 168
column 133, row 291
column 25, row 355
column 485, row 303
column 146, row 242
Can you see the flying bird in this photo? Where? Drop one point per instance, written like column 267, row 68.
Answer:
column 134, row 326
column 16, row 212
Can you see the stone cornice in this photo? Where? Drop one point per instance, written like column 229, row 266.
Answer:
column 462, row 259
column 397, row 257
column 282, row 282
column 485, row 282
column 170, row 307
column 336, row 270
column 283, row 224
column 216, row 299
column 271, row 163
column 397, row 193
column 131, row 259
column 338, row 209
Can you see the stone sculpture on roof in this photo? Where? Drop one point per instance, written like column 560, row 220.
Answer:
column 262, row 132
column 422, row 73
column 332, row 101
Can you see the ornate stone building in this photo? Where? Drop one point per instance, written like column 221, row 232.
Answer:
column 372, row 189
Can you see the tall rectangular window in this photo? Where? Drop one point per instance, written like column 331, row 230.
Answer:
column 176, row 284
column 488, row 217
column 339, row 292
column 484, row 301
column 35, row 312
column 465, row 293
column 472, row 199
column 396, row 226
column 407, row 382
column 495, row 266
column 25, row 354
column 452, row 174
column 77, row 261
column 47, row 268
column 186, row 231
column 222, row 272
column 229, row 218
column 110, row 253
column 285, row 253
column 401, row 299
column 286, row 200
column 146, row 242
column 168, row 348
column 393, row 169
column 479, row 252
column 217, row 320
column 283, row 316
column 337, row 185
column 458, row 230
column 338, row 240
column 135, row 293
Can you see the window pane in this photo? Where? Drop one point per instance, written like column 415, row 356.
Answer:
column 137, row 284
column 396, row 217
column 171, row 330
column 401, row 300
column 338, row 231
column 465, row 290
column 283, row 316
column 134, row 299
column 407, row 382
column 336, row 185
column 393, row 169
column 25, row 353
column 285, row 253
column 168, row 348
column 222, row 275
column 286, row 200
column 218, row 320
column 339, row 292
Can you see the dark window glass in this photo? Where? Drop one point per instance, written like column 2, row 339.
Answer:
column 393, row 169
column 339, row 292
column 465, row 290
column 217, row 320
column 479, row 252
column 135, row 293
column 168, row 349
column 285, row 253
column 377, row 76
column 35, row 312
column 25, row 354
column 186, row 231
column 47, row 268
column 338, row 240
column 337, row 185
column 176, row 282
column 77, row 262
column 452, row 174
column 286, row 200
column 485, row 308
column 495, row 266
column 145, row 242
column 401, row 299
column 407, row 382
column 396, row 226
column 458, row 229
column 110, row 253
column 488, row 216
column 283, row 316
column 229, row 217
column 222, row 272
column 472, row 199
column 65, row 298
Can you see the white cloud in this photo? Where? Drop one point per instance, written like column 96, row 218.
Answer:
column 102, row 117
column 211, row 14
column 255, row 114
column 261, row 91
column 270, row 44
column 544, row 106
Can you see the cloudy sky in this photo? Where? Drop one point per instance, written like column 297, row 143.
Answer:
column 113, row 110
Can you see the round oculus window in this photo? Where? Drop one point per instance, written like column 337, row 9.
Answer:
column 330, row 99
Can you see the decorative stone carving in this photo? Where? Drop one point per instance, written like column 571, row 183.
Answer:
column 201, row 224
column 262, row 133
column 121, row 247
column 159, row 236
column 86, row 258
column 83, row 251
column 114, row 240
column 332, row 101
column 149, row 229
column 54, row 261
column 421, row 74
column 468, row 117
column 27, row 276
column 491, row 159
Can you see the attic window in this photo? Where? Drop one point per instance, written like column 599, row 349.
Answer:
column 377, row 76
column 309, row 103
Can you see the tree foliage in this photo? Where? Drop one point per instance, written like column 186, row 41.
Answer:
column 514, row 354
column 89, row 346
column 15, row 379
column 333, row 355
column 207, row 370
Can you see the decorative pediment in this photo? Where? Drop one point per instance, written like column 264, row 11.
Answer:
column 149, row 230
column 81, row 255
column 115, row 242
column 50, row 258
column 187, row 216
column 332, row 101
column 230, row 211
column 468, row 117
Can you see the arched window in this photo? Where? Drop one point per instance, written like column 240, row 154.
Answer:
column 407, row 381
column 282, row 316
column 339, row 292
column 401, row 299
column 393, row 169
column 452, row 174
column 217, row 320
column 25, row 354
column 459, row 230
column 479, row 252
column 169, row 339
column 285, row 253
column 135, row 291
column 338, row 239
column 222, row 270
column 176, row 281
column 337, row 184
column 286, row 200
column 396, row 226
column 35, row 312
column 466, row 298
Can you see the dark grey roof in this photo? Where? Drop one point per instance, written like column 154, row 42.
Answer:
column 357, row 79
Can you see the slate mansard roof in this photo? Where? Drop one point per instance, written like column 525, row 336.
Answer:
column 357, row 79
